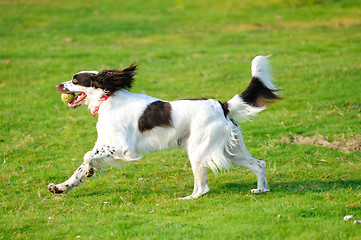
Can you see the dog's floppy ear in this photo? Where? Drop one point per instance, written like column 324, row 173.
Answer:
column 113, row 80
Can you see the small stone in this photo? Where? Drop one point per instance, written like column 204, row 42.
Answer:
column 356, row 222
column 68, row 40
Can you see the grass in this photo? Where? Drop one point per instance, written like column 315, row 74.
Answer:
column 184, row 49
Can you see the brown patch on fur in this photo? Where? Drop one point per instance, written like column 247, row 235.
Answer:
column 113, row 80
column 157, row 114
column 108, row 80
column 258, row 95
column 340, row 143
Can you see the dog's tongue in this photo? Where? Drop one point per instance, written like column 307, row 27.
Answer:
column 78, row 98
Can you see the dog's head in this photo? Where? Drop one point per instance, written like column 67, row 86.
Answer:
column 92, row 85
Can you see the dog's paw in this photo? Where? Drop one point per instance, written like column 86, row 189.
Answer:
column 54, row 189
column 262, row 190
column 197, row 194
column 187, row 198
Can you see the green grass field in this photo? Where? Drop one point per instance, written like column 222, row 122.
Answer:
column 184, row 49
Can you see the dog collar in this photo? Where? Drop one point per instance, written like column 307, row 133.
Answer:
column 102, row 99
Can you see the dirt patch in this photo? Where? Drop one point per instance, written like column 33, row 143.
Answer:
column 340, row 142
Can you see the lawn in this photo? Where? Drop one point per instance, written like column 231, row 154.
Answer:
column 184, row 49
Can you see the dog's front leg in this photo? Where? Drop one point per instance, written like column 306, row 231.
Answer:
column 93, row 161
column 200, row 178
column 75, row 180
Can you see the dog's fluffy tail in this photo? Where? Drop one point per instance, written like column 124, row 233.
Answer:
column 260, row 92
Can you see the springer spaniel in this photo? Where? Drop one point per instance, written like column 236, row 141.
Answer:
column 131, row 125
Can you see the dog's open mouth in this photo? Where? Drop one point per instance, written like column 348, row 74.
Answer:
column 77, row 100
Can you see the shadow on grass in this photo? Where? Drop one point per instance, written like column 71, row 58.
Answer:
column 295, row 187
column 132, row 193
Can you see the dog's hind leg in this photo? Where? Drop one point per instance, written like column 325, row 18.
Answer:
column 239, row 156
column 256, row 166
column 242, row 158
column 200, row 178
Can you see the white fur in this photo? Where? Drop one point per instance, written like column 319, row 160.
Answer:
column 211, row 139
column 261, row 68
column 240, row 110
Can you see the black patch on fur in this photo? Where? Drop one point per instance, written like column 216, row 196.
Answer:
column 84, row 79
column 234, row 122
column 55, row 189
column 157, row 114
column 108, row 80
column 179, row 142
column 113, row 80
column 257, row 94
column 225, row 108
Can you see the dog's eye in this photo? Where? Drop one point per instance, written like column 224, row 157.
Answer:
column 74, row 80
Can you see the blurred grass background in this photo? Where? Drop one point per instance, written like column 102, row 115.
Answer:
column 184, row 49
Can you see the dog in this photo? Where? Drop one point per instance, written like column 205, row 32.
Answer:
column 131, row 125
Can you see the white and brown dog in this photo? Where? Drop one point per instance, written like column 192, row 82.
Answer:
column 131, row 125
